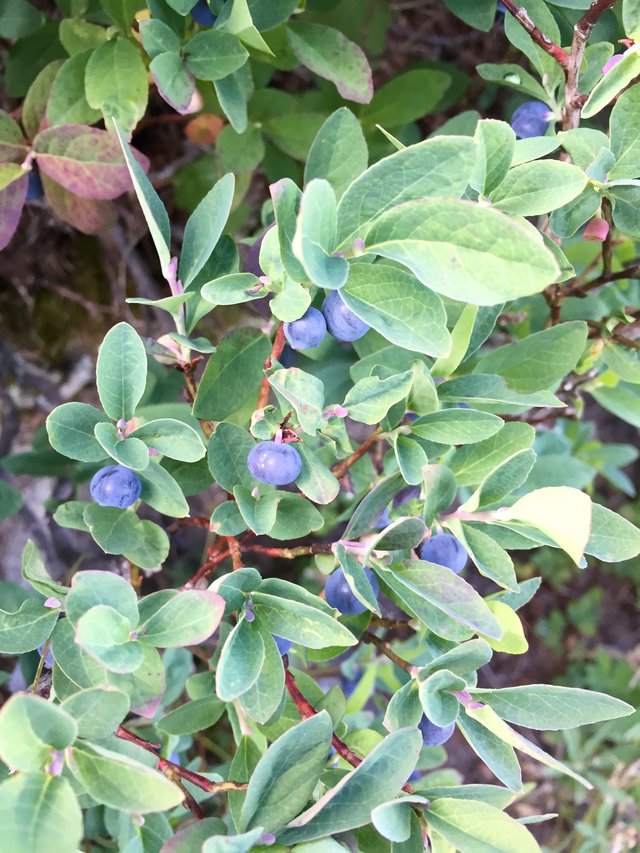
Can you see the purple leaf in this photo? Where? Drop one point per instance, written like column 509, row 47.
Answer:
column 86, row 214
column 12, row 199
column 84, row 160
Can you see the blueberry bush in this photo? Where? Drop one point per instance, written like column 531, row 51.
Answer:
column 392, row 425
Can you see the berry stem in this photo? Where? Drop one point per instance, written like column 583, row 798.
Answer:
column 386, row 650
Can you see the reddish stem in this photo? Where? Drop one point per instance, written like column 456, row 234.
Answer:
column 276, row 351
column 536, row 35
column 307, row 710
column 341, row 468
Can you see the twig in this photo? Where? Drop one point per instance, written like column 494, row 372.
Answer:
column 631, row 271
column 234, row 551
column 581, row 32
column 386, row 650
column 522, row 17
column 186, row 775
column 276, row 351
column 307, row 710
column 341, row 468
column 607, row 247
column 288, row 553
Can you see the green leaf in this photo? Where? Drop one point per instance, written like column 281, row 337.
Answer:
column 162, row 492
column 90, row 588
column 119, row 531
column 464, row 250
column 172, row 438
column 538, row 187
column 153, row 209
column 121, row 782
column 173, row 80
column 457, row 426
column 192, row 717
column 316, row 481
column 369, row 509
column 304, row 392
column 403, row 533
column 411, row 458
column 435, row 167
column 121, row 371
column 286, row 204
column 472, row 463
column 30, row 727
column 490, row 559
column 263, row 699
column 371, row 398
column 502, row 481
column 70, row 428
column 613, row 538
column 560, row 512
column 338, row 153
column 27, row 628
column 547, row 706
column 39, row 812
column 67, row 102
column 122, row 12
column 315, row 236
column 240, row 661
column 229, row 447
column 393, row 819
column 232, row 843
column 625, row 363
column 106, row 635
column 259, row 513
column 449, row 593
column 613, row 82
column 116, row 82
column 473, row 825
column 233, row 289
column 540, row 360
column 496, row 147
column 329, row 54
column 295, row 517
column 349, row 803
column 487, row 717
column 286, row 775
column 513, row 77
column 204, row 228
column 300, row 622
column 513, row 640
column 624, row 131
column 499, row 756
column 35, row 573
column 97, row 711
column 357, row 579
column 436, row 696
column 240, row 152
column 407, row 97
column 10, row 500
column 481, row 389
column 170, row 617
column 128, row 452
column 213, row 55
column 157, row 37
column 394, row 303
column 237, row 364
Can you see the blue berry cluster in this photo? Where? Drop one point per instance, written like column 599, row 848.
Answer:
column 310, row 330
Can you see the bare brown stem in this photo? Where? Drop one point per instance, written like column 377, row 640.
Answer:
column 276, row 351
column 522, row 17
column 341, row 468
column 386, row 650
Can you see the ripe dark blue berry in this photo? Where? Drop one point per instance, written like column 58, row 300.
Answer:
column 34, row 188
column 273, row 463
column 341, row 321
column 282, row 644
column 338, row 592
column 307, row 332
column 531, row 119
column 445, row 550
column 433, row 735
column 202, row 14
column 115, row 486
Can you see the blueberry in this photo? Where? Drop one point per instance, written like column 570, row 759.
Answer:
column 433, row 735
column 414, row 776
column 407, row 494
column 445, row 550
column 273, row 463
column 308, row 331
column 341, row 321
column 34, row 187
column 531, row 119
column 282, row 644
column 383, row 520
column 202, row 14
column 115, row 486
column 338, row 592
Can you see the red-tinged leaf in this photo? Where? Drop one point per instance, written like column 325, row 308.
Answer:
column 176, row 84
column 86, row 214
column 12, row 199
column 84, row 160
column 12, row 153
column 12, row 149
